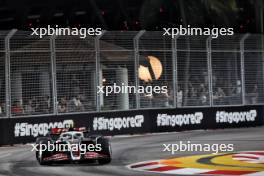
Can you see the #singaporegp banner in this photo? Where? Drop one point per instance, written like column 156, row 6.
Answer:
column 23, row 130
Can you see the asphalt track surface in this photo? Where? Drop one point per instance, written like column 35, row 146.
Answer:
column 20, row 161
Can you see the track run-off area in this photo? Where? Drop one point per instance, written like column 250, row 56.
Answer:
column 144, row 155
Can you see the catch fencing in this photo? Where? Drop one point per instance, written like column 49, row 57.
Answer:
column 57, row 75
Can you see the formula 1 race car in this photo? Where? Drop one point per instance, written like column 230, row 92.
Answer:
column 72, row 144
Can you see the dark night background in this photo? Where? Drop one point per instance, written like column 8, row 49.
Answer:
column 242, row 15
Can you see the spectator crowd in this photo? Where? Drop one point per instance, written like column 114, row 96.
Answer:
column 43, row 105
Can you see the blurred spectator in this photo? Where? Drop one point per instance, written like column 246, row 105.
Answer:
column 202, row 94
column 255, row 89
column 1, row 111
column 42, row 105
column 214, row 80
column 220, row 93
column 47, row 102
column 237, row 88
column 205, row 76
column 146, row 100
column 85, row 102
column 202, row 88
column 79, row 102
column 192, row 91
column 28, row 108
column 179, row 97
column 34, row 103
column 203, row 98
column 17, row 108
column 170, row 95
column 3, row 106
column 162, row 98
column 75, row 104
column 62, row 106
column 219, row 96
column 255, row 94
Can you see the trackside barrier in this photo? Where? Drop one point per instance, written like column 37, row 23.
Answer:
column 24, row 130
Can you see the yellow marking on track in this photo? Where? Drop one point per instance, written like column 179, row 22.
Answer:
column 228, row 160
column 191, row 162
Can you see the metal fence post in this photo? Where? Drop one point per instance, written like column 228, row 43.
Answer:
column 97, row 70
column 209, row 67
column 136, row 64
column 242, row 65
column 54, row 73
column 262, row 56
column 175, row 74
column 7, row 72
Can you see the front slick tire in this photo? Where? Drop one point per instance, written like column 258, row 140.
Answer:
column 41, row 161
column 106, row 150
column 40, row 155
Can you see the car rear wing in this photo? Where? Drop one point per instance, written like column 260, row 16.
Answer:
column 63, row 130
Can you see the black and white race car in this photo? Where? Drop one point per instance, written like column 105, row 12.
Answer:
column 72, row 144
